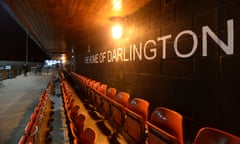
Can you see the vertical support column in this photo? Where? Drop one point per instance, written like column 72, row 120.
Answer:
column 26, row 48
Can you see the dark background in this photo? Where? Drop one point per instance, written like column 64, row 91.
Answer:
column 13, row 41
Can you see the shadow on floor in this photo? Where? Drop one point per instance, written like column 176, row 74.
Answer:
column 104, row 129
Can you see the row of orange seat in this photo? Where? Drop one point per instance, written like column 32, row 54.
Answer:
column 75, row 119
column 131, row 116
column 33, row 127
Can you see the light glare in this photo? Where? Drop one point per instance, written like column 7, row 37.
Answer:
column 117, row 5
column 117, row 31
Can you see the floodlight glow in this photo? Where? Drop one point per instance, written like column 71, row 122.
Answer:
column 117, row 31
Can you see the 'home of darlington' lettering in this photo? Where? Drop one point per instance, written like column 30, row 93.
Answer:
column 149, row 49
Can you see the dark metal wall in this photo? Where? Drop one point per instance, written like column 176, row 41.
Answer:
column 203, row 88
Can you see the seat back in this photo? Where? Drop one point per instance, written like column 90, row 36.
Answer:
column 71, row 102
column 89, row 136
column 103, row 89
column 86, row 86
column 107, row 100
column 90, row 86
column 140, row 106
column 74, row 112
column 209, row 135
column 93, row 90
column 33, row 138
column 122, row 98
column 118, row 107
column 98, row 95
column 136, row 117
column 165, row 126
column 79, row 122
column 28, row 127
column 111, row 92
column 96, row 85
column 34, row 114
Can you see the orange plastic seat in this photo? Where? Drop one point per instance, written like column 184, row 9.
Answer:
column 89, row 136
column 38, row 120
column 82, row 84
column 118, row 108
column 165, row 126
column 75, row 109
column 22, row 140
column 86, row 86
column 103, row 89
column 209, row 135
column 96, row 85
column 73, row 131
column 101, row 92
column 135, row 121
column 79, row 122
column 107, row 100
column 111, row 92
column 32, row 139
column 73, row 113
column 95, row 93
column 33, row 115
column 68, row 103
column 90, row 87
column 75, row 141
column 71, row 103
column 29, row 127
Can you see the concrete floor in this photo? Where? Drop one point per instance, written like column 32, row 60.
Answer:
column 18, row 98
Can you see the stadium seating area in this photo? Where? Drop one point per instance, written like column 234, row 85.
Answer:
column 128, row 117
column 131, row 117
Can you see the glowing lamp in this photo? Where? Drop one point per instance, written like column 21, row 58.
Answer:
column 117, row 5
column 117, row 31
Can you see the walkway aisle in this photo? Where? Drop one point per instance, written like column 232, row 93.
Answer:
column 59, row 133
column 18, row 98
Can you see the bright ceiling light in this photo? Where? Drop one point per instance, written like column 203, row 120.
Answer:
column 117, row 31
column 117, row 5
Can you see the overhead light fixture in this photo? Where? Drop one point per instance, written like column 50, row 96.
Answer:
column 117, row 5
column 117, row 31
column 117, row 28
column 63, row 58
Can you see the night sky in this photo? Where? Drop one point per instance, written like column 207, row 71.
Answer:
column 13, row 41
